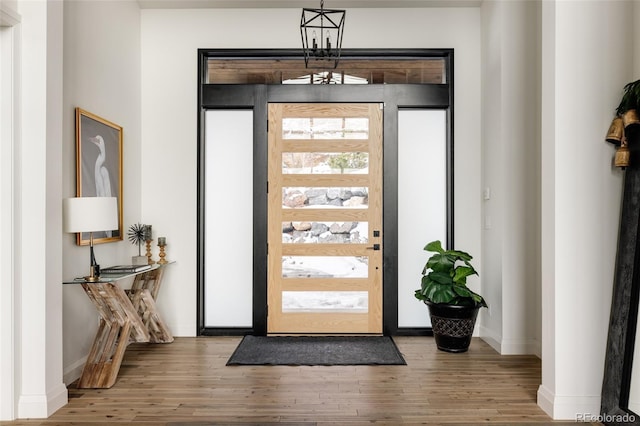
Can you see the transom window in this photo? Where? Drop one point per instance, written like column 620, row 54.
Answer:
column 349, row 71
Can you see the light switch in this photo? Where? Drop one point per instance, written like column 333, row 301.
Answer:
column 486, row 193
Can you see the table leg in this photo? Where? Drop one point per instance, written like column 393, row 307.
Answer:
column 145, row 305
column 149, row 281
column 118, row 323
column 143, row 295
column 105, row 357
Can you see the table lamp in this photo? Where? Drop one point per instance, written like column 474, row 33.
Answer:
column 90, row 214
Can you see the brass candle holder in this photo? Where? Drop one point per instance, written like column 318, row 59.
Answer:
column 162, row 243
column 150, row 261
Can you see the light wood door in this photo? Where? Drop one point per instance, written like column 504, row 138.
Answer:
column 325, row 218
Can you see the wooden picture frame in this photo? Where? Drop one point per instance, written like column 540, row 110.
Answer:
column 98, row 167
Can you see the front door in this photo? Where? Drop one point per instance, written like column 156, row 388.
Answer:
column 325, row 218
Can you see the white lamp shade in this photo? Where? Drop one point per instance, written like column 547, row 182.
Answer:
column 90, row 214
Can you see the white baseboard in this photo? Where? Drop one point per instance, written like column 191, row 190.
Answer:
column 572, row 408
column 510, row 346
column 57, row 399
column 490, row 338
column 183, row 330
column 42, row 406
column 545, row 400
column 520, row 347
column 74, row 371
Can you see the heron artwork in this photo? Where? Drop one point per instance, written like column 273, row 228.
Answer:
column 103, row 181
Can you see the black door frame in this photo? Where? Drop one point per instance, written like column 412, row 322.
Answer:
column 256, row 97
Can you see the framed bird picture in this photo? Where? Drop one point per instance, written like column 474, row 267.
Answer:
column 98, row 167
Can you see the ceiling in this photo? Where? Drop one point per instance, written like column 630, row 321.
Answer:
column 257, row 4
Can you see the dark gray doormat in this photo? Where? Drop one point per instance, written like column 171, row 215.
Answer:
column 317, row 350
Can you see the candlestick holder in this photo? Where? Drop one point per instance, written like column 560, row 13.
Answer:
column 149, row 260
column 162, row 255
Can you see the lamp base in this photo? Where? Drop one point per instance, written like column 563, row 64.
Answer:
column 95, row 274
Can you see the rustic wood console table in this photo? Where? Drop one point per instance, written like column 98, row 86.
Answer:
column 125, row 316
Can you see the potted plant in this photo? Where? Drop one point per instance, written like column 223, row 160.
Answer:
column 453, row 307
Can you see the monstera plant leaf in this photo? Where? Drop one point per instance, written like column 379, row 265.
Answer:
column 444, row 277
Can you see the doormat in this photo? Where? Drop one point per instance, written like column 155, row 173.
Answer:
column 317, row 350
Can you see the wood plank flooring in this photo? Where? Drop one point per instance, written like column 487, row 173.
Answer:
column 187, row 383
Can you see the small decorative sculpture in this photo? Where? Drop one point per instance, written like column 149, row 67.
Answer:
column 136, row 237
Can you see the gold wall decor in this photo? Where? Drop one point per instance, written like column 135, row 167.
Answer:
column 616, row 131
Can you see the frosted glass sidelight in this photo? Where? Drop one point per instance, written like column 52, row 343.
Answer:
column 229, row 215
column 325, row 128
column 325, row 267
column 325, row 301
column 422, row 201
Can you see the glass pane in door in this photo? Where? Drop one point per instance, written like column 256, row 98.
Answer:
column 325, row 301
column 318, row 197
column 325, row 232
column 325, row 128
column 325, row 267
column 316, row 163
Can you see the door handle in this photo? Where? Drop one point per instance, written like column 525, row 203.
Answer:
column 374, row 247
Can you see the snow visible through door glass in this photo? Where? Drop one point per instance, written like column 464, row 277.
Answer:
column 325, row 267
column 325, row 128
column 325, row 301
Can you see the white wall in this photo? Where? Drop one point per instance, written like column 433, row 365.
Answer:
column 491, row 319
column 66, row 55
column 9, row 78
column 36, row 284
column 170, row 39
column 586, row 60
column 511, row 167
column 101, row 75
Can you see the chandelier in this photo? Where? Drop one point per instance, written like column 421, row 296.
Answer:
column 321, row 31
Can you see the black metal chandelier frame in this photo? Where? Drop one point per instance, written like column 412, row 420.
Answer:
column 326, row 47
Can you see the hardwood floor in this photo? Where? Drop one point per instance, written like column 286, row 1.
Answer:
column 187, row 383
